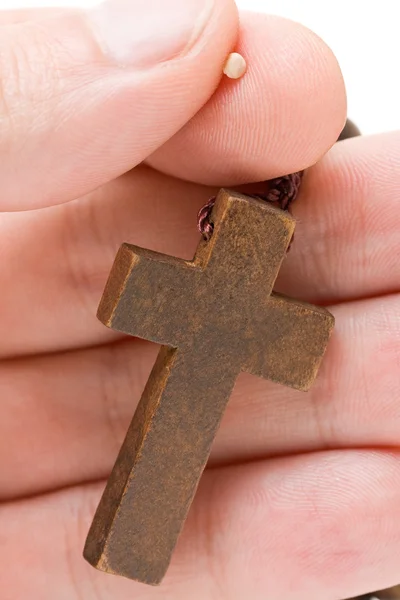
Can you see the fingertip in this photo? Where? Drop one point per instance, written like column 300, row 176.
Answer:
column 281, row 117
column 217, row 41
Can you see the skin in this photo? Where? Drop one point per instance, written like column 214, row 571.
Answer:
column 301, row 499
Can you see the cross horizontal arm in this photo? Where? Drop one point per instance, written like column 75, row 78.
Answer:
column 145, row 295
column 291, row 342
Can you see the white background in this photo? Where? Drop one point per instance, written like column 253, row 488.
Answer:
column 364, row 34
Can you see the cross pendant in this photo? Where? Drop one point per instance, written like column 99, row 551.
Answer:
column 215, row 317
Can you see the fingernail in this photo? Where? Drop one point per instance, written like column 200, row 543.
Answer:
column 142, row 33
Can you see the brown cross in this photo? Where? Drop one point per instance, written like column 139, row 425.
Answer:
column 215, row 317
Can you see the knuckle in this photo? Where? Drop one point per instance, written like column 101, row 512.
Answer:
column 29, row 77
column 80, row 505
column 85, row 273
column 110, row 397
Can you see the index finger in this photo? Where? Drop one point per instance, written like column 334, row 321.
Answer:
column 281, row 117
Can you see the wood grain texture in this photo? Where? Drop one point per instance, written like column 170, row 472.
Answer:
column 215, row 317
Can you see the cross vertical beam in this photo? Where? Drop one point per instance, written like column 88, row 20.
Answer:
column 146, row 501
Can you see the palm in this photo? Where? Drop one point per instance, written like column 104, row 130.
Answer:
column 301, row 499
column 282, row 458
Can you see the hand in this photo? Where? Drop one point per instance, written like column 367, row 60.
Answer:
column 302, row 497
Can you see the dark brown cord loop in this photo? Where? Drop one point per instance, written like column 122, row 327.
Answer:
column 281, row 191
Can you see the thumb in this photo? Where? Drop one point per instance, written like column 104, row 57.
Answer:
column 86, row 96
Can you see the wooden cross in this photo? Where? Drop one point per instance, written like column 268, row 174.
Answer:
column 215, row 317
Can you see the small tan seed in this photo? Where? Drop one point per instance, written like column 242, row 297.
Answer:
column 235, row 66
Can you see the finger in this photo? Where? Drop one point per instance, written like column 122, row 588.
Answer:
column 63, row 440
column 83, row 243
column 313, row 517
column 346, row 243
column 280, row 118
column 12, row 17
column 87, row 96
column 347, row 235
